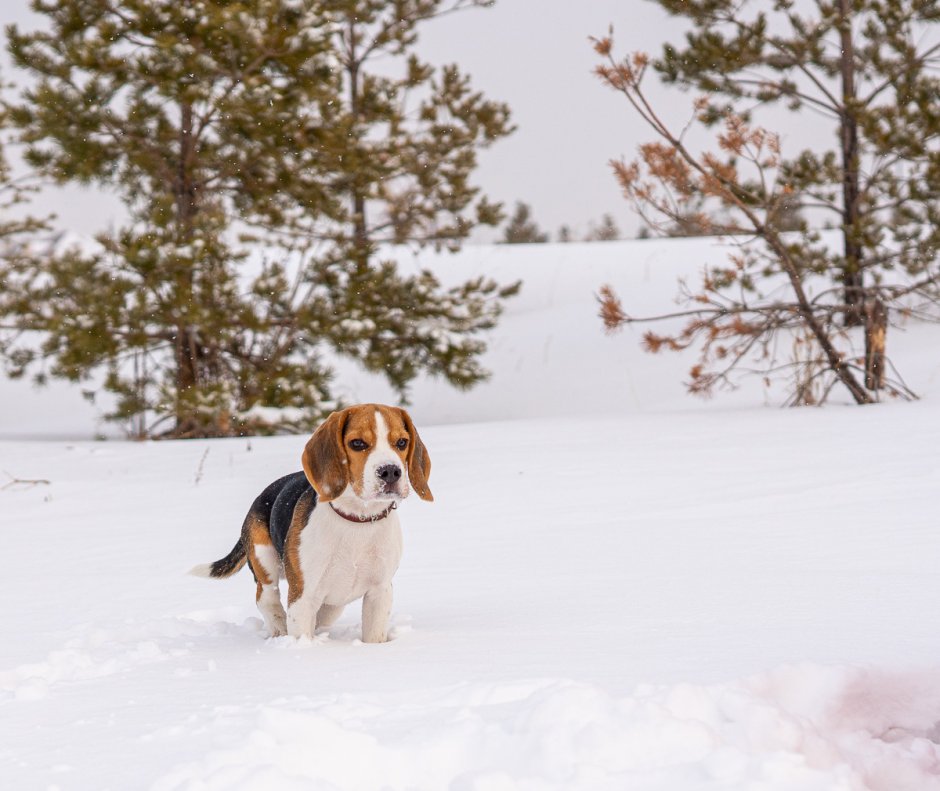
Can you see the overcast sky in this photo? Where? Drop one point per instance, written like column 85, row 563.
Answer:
column 534, row 55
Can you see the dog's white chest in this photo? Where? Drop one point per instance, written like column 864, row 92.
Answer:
column 342, row 560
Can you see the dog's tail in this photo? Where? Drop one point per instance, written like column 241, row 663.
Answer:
column 227, row 566
column 258, row 518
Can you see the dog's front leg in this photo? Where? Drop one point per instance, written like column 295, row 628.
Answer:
column 328, row 614
column 376, row 607
column 301, row 616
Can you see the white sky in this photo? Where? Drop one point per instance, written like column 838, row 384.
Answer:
column 534, row 55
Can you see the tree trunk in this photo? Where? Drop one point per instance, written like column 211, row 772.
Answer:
column 360, row 232
column 852, row 275
column 876, row 328
column 360, row 235
column 186, row 342
column 835, row 361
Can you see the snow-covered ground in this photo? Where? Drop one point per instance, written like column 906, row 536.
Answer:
column 616, row 587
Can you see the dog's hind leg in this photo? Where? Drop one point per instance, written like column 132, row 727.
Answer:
column 267, row 568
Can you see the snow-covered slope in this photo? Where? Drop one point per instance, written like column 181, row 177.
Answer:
column 548, row 356
column 615, row 588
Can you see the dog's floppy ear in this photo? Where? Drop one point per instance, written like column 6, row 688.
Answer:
column 324, row 457
column 419, row 463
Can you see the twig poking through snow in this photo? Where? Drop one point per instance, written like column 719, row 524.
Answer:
column 24, row 482
column 202, row 461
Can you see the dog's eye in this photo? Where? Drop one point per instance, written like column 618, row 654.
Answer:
column 357, row 444
column 401, row 444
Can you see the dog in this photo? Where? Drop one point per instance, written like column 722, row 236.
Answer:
column 332, row 530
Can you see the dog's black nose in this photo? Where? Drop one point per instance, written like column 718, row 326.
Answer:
column 389, row 473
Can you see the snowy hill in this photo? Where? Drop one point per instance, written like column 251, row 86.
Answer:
column 548, row 356
column 617, row 587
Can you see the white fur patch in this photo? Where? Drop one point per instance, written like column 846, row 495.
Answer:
column 341, row 562
column 269, row 602
column 268, row 558
column 380, row 455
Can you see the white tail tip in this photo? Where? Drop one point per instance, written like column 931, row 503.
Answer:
column 202, row 570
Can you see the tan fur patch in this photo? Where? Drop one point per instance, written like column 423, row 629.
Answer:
column 258, row 535
column 416, row 456
column 292, row 570
column 324, row 457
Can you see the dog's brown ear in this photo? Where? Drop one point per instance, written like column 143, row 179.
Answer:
column 324, row 457
column 419, row 463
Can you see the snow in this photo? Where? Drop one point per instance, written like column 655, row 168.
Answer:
column 616, row 587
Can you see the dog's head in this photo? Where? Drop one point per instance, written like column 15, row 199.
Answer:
column 372, row 449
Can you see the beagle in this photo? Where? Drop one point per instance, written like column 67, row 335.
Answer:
column 332, row 530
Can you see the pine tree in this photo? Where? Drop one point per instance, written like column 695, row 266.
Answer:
column 16, row 233
column 868, row 69
column 249, row 143
column 15, row 192
column 15, row 229
column 771, row 291
column 522, row 229
column 865, row 67
column 410, row 183
column 606, row 231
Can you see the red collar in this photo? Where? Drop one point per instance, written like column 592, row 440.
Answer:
column 364, row 519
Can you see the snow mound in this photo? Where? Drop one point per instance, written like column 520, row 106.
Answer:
column 798, row 728
column 98, row 652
